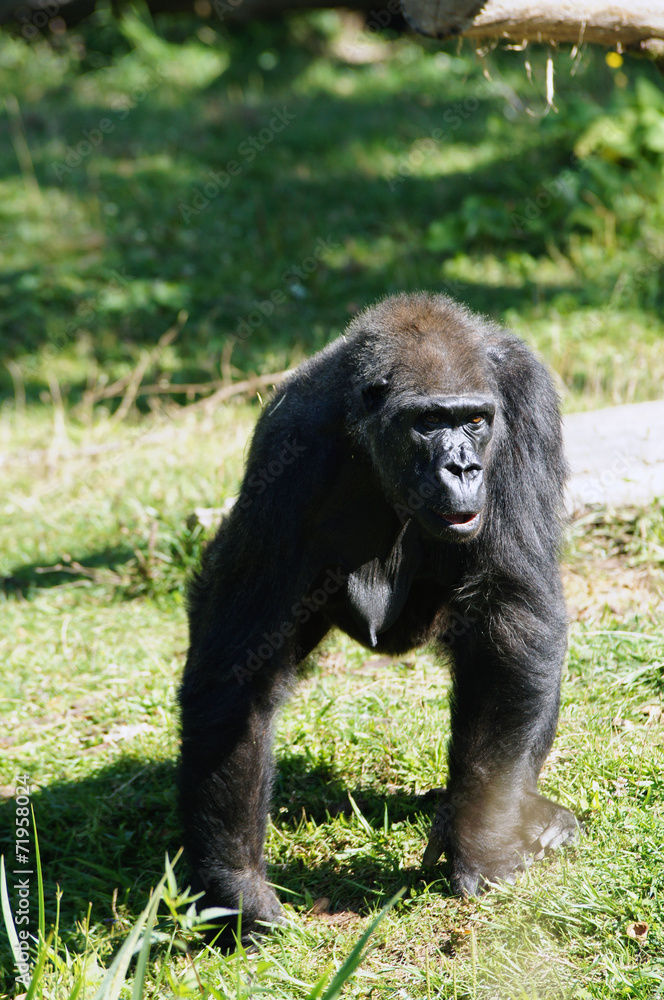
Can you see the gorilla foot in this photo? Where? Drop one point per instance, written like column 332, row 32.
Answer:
column 557, row 826
column 248, row 894
column 489, row 856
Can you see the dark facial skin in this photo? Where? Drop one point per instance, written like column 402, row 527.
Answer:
column 444, row 443
column 453, row 434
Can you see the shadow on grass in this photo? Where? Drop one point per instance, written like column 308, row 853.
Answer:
column 100, row 567
column 108, row 831
column 235, row 249
column 103, row 840
column 316, row 793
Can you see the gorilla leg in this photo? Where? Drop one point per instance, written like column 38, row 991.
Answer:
column 226, row 773
column 504, row 714
column 225, row 783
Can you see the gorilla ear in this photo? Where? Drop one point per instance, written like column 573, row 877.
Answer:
column 374, row 394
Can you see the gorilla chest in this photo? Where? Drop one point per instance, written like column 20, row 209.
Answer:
column 399, row 595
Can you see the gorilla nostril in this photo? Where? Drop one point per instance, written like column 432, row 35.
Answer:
column 464, row 470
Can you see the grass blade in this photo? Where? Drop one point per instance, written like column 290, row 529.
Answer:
column 7, row 915
column 40, row 883
column 42, row 955
column 113, row 981
column 142, row 961
column 356, row 956
column 364, row 823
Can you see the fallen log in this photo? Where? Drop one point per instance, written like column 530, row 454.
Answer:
column 638, row 27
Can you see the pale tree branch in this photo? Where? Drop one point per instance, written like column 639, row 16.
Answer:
column 637, row 26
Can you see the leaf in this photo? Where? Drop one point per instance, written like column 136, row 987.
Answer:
column 362, row 820
column 40, row 883
column 637, row 930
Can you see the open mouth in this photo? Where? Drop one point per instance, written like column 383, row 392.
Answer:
column 457, row 518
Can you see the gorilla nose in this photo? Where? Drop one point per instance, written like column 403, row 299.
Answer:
column 466, row 471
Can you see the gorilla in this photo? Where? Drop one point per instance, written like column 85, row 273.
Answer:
column 405, row 484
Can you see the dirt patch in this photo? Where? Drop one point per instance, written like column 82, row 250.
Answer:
column 594, row 587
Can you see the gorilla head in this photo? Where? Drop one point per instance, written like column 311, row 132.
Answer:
column 428, row 408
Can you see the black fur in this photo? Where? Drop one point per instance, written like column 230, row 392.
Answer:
column 404, row 484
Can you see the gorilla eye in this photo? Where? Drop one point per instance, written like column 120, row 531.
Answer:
column 432, row 419
column 477, row 419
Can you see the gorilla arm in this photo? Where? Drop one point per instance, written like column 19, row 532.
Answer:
column 507, row 665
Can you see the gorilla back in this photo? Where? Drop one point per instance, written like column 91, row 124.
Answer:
column 405, row 484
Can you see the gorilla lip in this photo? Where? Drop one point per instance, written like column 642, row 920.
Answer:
column 457, row 518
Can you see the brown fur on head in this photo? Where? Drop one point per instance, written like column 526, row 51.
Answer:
column 435, row 343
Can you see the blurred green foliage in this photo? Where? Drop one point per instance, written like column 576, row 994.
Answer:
column 153, row 168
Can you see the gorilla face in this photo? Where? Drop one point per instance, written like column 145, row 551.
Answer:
column 431, row 455
column 449, row 437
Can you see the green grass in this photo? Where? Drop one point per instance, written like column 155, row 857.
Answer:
column 98, row 261
column 92, row 661
column 413, row 169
